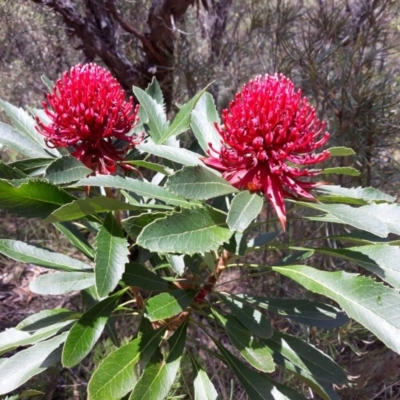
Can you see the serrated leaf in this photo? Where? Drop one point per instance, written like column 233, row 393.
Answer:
column 341, row 151
column 175, row 154
column 111, row 256
column 341, row 171
column 61, row 283
column 27, row 253
column 8, row 172
column 158, row 378
column 138, row 275
column 244, row 208
column 204, row 117
column 90, row 206
column 116, row 375
column 154, row 91
column 13, row 338
column 353, row 216
column 181, row 121
column 198, row 183
column 188, row 232
column 16, row 370
column 307, row 312
column 203, row 387
column 25, row 124
column 253, row 351
column 257, row 385
column 87, row 330
column 168, row 304
column 141, row 188
column 249, row 317
column 155, row 111
column 382, row 260
column 151, row 166
column 388, row 214
column 32, row 166
column 370, row 303
column 17, row 141
column 33, row 199
column 74, row 235
column 366, row 194
column 65, row 170
column 306, row 358
column 135, row 224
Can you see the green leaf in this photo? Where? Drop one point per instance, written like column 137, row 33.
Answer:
column 168, row 304
column 13, row 338
column 341, row 171
column 158, row 378
column 8, row 172
column 25, row 124
column 368, row 194
column 154, row 91
column 135, row 224
column 306, row 312
column 151, row 166
column 181, row 121
column 175, row 154
column 203, row 387
column 32, row 166
column 16, row 370
column 65, row 170
column 86, row 331
column 244, row 208
column 341, row 151
column 157, row 119
column 353, row 216
column 204, row 117
column 61, row 282
column 252, row 319
column 198, row 183
column 177, row 263
column 141, row 188
column 188, row 232
column 111, row 256
column 27, row 253
column 74, row 235
column 33, row 199
column 17, row 141
column 306, row 358
column 256, row 353
column 46, row 318
column 90, row 206
column 257, row 385
column 138, row 275
column 388, row 214
column 382, row 260
column 370, row 303
column 117, row 373
column 49, row 83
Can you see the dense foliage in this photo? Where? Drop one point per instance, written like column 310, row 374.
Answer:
column 167, row 225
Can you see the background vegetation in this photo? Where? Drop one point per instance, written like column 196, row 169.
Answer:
column 344, row 54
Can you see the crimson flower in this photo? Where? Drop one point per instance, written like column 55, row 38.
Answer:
column 89, row 112
column 269, row 134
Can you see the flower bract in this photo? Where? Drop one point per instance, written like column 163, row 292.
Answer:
column 88, row 112
column 269, row 136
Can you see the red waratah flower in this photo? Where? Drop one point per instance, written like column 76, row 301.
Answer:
column 89, row 112
column 270, row 133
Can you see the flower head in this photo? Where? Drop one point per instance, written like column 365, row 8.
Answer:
column 270, row 133
column 89, row 112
